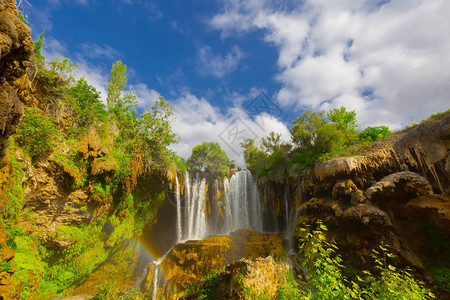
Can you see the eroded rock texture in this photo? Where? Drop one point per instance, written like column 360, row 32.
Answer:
column 16, row 50
column 388, row 193
column 188, row 262
column 245, row 278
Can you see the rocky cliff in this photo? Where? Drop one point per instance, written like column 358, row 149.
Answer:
column 392, row 191
column 245, row 279
column 187, row 263
column 16, row 50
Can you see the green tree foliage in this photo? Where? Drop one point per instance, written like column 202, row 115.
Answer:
column 326, row 281
column 86, row 105
column 272, row 142
column 116, row 85
column 305, row 129
column 268, row 160
column 344, row 120
column 65, row 69
column 320, row 136
column 375, row 133
column 23, row 18
column 38, row 46
column 36, row 134
column 316, row 137
column 155, row 130
column 252, row 154
column 210, row 157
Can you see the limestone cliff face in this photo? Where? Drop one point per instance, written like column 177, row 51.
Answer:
column 387, row 193
column 16, row 50
column 247, row 279
column 188, row 262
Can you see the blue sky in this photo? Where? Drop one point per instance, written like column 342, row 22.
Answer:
column 387, row 60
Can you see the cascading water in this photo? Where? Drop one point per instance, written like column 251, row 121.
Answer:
column 239, row 207
column 179, row 228
column 194, row 208
column 242, row 207
column 155, row 283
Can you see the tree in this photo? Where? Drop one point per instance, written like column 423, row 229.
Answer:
column 155, row 130
column 117, row 83
column 344, row 120
column 272, row 142
column 210, row 157
column 38, row 45
column 85, row 102
column 305, row 128
column 252, row 153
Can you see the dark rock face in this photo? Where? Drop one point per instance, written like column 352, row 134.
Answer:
column 386, row 194
column 16, row 50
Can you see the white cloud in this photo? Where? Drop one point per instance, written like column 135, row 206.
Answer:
column 97, row 51
column 146, row 96
column 331, row 52
column 209, row 63
column 198, row 121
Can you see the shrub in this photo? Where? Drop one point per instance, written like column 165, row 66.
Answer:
column 325, row 279
column 36, row 134
column 375, row 133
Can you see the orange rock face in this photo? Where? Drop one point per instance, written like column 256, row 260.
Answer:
column 187, row 263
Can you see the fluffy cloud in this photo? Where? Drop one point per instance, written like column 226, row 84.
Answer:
column 209, row 63
column 388, row 61
column 198, row 121
column 146, row 96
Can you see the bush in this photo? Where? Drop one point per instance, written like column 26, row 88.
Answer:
column 373, row 134
column 326, row 281
column 36, row 134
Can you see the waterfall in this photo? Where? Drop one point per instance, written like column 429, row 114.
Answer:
column 286, row 210
column 238, row 207
column 155, row 282
column 179, row 229
column 241, row 203
column 195, row 218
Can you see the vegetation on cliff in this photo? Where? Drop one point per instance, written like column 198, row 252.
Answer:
column 316, row 136
column 83, row 180
column 99, row 157
column 210, row 158
column 322, row 277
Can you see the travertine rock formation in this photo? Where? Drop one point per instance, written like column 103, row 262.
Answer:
column 16, row 50
column 246, row 278
column 387, row 193
column 188, row 262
